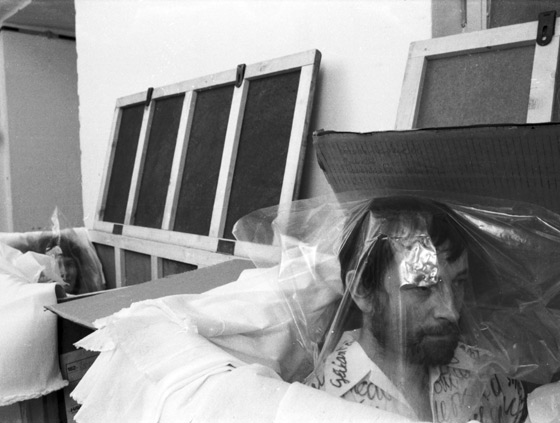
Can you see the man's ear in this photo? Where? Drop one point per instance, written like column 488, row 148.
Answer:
column 359, row 295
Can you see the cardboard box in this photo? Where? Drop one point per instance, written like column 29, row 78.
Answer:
column 73, row 366
column 77, row 315
column 513, row 162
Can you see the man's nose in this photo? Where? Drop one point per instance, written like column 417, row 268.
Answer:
column 445, row 302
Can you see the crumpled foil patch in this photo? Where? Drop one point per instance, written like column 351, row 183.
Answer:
column 418, row 260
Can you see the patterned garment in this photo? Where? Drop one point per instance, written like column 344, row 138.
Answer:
column 457, row 395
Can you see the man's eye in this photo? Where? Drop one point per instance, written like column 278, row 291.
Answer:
column 460, row 282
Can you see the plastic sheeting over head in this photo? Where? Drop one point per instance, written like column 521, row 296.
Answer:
column 290, row 316
column 510, row 296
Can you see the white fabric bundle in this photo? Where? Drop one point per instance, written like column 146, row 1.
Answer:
column 167, row 347
column 28, row 346
column 544, row 404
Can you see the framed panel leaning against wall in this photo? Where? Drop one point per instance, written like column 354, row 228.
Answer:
column 494, row 76
column 188, row 160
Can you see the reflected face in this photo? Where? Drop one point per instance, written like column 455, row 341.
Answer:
column 68, row 272
column 423, row 320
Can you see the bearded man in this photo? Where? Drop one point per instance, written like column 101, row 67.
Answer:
column 405, row 264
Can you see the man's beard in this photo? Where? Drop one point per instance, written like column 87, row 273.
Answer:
column 433, row 346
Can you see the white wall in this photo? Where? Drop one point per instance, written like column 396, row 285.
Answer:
column 126, row 46
column 40, row 132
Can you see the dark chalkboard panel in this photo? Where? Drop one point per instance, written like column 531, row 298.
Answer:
column 106, row 255
column 159, row 158
column 203, row 160
column 193, row 157
column 123, row 163
column 494, row 76
column 512, row 12
column 172, row 267
column 137, row 268
column 481, row 88
column 263, row 146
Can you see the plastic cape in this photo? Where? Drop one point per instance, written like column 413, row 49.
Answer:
column 512, row 299
column 278, row 322
column 510, row 315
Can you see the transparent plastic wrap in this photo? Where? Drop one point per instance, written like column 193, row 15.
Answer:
column 307, row 234
column 467, row 286
column 77, row 264
column 75, row 256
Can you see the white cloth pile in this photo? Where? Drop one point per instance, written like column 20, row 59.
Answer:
column 28, row 346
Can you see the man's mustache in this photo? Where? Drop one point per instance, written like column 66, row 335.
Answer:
column 443, row 329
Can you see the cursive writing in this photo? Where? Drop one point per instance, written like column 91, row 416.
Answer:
column 340, row 368
column 318, row 382
column 449, row 379
column 503, row 401
column 368, row 390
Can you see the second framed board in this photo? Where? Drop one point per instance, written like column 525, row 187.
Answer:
column 495, row 76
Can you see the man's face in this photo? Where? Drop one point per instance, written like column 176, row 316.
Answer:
column 423, row 320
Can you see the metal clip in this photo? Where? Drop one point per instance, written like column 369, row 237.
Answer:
column 149, row 96
column 240, row 74
column 545, row 31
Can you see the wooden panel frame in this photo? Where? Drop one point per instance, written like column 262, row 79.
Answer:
column 543, row 79
column 200, row 250
column 171, row 250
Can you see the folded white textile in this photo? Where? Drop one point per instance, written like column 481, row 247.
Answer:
column 196, row 391
column 28, row 346
column 250, row 393
column 544, row 404
column 156, row 355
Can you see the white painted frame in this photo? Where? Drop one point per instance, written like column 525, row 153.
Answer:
column 190, row 248
column 545, row 63
column 158, row 250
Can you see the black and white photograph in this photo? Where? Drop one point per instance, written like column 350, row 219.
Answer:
column 277, row 211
